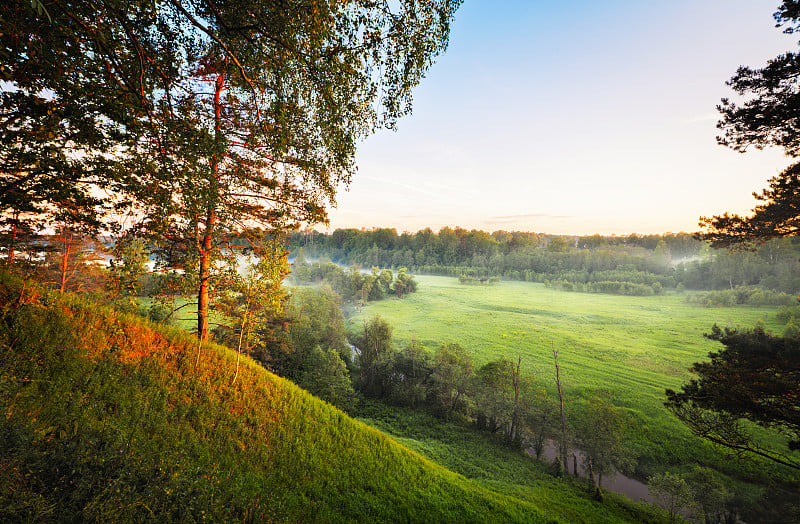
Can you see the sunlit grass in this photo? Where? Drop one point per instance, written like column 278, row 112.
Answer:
column 630, row 348
column 184, row 315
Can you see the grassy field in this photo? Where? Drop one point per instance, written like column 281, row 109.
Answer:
column 108, row 418
column 629, row 348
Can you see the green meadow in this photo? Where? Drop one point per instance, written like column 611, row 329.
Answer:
column 627, row 348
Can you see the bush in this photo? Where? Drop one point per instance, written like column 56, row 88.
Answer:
column 621, row 288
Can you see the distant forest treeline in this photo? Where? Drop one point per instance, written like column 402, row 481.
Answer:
column 671, row 260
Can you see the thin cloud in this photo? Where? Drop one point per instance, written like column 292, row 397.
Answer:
column 530, row 216
column 428, row 188
column 707, row 117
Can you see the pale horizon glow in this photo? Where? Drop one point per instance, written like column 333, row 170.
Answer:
column 578, row 118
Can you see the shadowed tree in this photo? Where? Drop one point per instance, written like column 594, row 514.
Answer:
column 672, row 493
column 768, row 116
column 375, row 347
column 326, row 376
column 600, row 437
column 64, row 113
column 410, row 375
column 452, row 375
column 755, row 377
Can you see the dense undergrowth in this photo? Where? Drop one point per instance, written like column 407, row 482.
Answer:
column 106, row 418
column 472, row 453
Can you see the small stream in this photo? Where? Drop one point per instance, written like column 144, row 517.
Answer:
column 616, row 482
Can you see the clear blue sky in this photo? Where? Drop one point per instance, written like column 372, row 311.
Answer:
column 572, row 118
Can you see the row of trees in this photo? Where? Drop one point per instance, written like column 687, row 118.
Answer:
column 458, row 246
column 353, row 284
column 613, row 287
column 672, row 260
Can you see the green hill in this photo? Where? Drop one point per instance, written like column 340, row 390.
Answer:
column 107, row 418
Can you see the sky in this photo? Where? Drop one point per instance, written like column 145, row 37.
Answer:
column 572, row 118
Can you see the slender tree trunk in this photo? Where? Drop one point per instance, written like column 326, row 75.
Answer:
column 563, row 450
column 413, row 375
column 598, row 493
column 13, row 242
column 514, row 433
column 66, row 237
column 241, row 336
column 206, row 244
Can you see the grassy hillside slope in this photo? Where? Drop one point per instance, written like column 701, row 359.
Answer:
column 105, row 418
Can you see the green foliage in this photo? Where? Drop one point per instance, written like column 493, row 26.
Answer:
column 791, row 330
column 325, row 375
column 316, row 320
column 403, row 283
column 482, row 280
column 408, row 376
column 375, row 349
column 673, row 493
column 755, row 377
column 601, row 428
column 158, row 312
column 711, row 497
column 126, row 267
column 659, row 261
column 621, row 288
column 787, row 313
column 351, row 283
column 202, row 120
column 494, row 395
column 765, row 115
column 57, row 143
column 452, row 375
column 741, row 295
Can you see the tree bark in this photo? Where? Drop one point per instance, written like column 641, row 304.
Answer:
column 206, row 245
